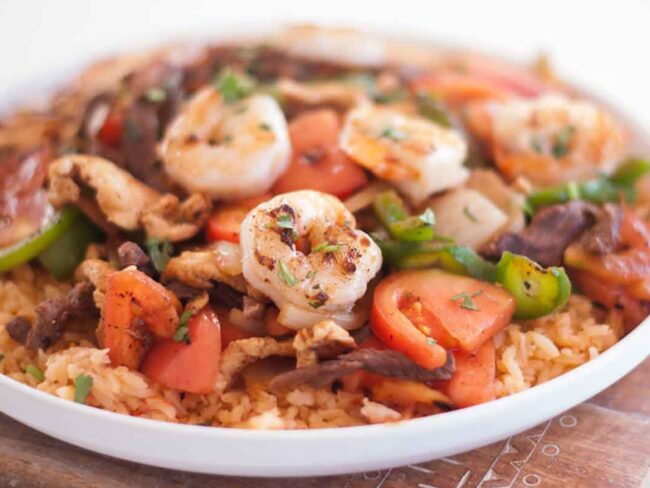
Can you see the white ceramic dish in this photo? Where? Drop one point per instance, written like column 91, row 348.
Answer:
column 317, row 452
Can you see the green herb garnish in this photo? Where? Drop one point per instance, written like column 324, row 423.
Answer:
column 562, row 141
column 233, row 86
column 156, row 95
column 393, row 134
column 265, row 126
column 285, row 221
column 82, row 385
column 431, row 341
column 468, row 213
column 35, row 371
column 536, row 145
column 467, row 302
column 327, row 247
column 132, row 130
column 433, row 110
column 285, row 275
column 182, row 333
column 160, row 252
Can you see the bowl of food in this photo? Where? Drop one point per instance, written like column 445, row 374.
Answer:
column 316, row 244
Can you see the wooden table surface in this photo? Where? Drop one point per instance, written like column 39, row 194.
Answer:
column 604, row 442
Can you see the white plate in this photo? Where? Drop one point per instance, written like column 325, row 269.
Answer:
column 315, row 452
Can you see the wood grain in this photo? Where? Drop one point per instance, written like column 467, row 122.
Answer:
column 602, row 443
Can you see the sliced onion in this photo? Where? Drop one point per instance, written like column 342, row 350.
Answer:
column 229, row 256
column 297, row 318
column 364, row 197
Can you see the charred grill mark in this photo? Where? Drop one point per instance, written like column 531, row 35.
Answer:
column 286, row 231
column 265, row 261
column 351, row 255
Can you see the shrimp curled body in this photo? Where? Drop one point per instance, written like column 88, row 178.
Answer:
column 227, row 150
column 302, row 250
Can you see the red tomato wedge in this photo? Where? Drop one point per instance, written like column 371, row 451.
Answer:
column 456, row 311
column 473, row 379
column 192, row 367
column 111, row 131
column 317, row 163
column 131, row 295
column 225, row 222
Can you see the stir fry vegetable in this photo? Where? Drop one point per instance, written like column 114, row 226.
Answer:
column 538, row 291
column 424, row 312
column 600, row 190
column 392, row 212
column 65, row 255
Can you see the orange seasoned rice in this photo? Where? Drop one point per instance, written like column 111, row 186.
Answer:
column 528, row 353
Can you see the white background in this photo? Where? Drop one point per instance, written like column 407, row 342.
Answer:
column 603, row 45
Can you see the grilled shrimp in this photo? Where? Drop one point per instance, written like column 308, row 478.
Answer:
column 332, row 45
column 227, row 150
column 550, row 139
column 419, row 157
column 302, row 250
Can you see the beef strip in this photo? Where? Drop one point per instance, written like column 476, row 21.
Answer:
column 384, row 362
column 130, row 254
column 52, row 316
column 604, row 237
column 550, row 232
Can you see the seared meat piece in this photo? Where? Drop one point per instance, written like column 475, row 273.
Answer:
column 227, row 296
column 124, row 200
column 130, row 254
column 549, row 233
column 52, row 315
column 604, row 237
column 384, row 362
column 172, row 220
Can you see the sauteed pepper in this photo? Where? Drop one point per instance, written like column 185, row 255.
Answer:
column 392, row 212
column 60, row 244
column 600, row 190
column 537, row 291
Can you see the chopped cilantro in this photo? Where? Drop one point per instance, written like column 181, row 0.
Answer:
column 467, row 303
column 160, row 252
column 393, row 134
column 285, row 221
column 431, row 341
column 468, row 213
column 182, row 333
column 285, row 275
column 156, row 94
column 327, row 247
column 311, row 274
column 428, row 217
column 562, row 141
column 82, row 385
column 316, row 304
column 35, row 371
column 233, row 86
column 265, row 126
column 432, row 109
column 132, row 130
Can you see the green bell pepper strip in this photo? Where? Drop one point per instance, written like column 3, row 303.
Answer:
column 537, row 291
column 65, row 254
column 393, row 214
column 30, row 247
column 599, row 190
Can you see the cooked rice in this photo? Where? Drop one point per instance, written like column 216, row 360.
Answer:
column 528, row 353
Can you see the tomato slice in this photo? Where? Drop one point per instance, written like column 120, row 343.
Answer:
column 225, row 222
column 317, row 163
column 111, row 131
column 455, row 311
column 473, row 379
column 192, row 367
